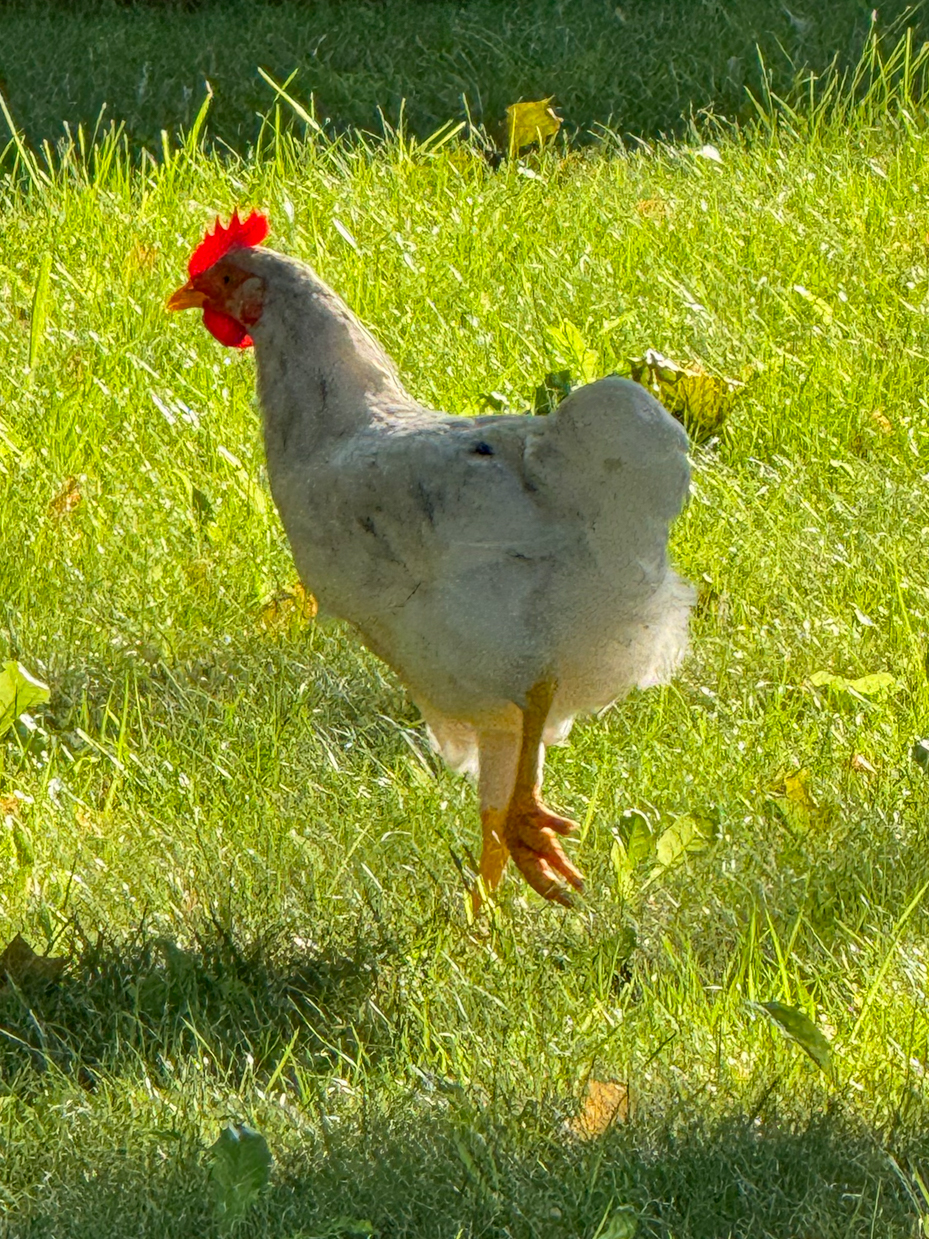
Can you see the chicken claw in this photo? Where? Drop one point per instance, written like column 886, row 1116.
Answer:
column 531, row 833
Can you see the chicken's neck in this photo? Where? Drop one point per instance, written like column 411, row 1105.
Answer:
column 321, row 376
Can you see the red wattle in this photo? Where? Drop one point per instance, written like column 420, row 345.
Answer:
column 226, row 329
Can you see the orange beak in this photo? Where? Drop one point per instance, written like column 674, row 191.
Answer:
column 186, row 298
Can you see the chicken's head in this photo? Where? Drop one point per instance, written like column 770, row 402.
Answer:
column 230, row 296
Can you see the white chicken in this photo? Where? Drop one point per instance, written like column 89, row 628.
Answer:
column 512, row 570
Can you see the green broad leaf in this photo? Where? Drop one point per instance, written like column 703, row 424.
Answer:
column 341, row 1228
column 623, row 1223
column 801, row 1029
column 569, row 341
column 351, row 1226
column 241, row 1167
column 551, row 391
column 685, row 834
column 641, row 841
column 19, row 692
column 868, row 686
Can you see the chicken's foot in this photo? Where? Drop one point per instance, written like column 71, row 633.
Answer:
column 530, row 830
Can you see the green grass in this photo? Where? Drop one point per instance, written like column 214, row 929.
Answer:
column 233, row 829
column 641, row 66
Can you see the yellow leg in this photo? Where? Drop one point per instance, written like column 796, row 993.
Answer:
column 530, row 830
column 494, row 856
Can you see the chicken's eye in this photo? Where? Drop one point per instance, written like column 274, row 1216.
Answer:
column 225, row 279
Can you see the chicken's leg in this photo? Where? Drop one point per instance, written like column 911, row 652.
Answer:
column 499, row 760
column 530, row 830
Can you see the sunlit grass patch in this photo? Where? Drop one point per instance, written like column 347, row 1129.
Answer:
column 227, row 819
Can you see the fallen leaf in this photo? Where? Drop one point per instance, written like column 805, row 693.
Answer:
column 605, row 1103
column 19, row 692
column 67, row 499
column 882, row 421
column 293, row 603
column 530, row 122
column 861, row 765
column 797, row 790
column 652, row 208
column 20, row 964
column 821, row 308
column 799, row 806
column 685, row 834
column 700, row 401
column 801, row 1029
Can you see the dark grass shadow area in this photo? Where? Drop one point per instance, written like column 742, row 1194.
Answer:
column 457, row 1175
column 641, row 66
column 147, row 1000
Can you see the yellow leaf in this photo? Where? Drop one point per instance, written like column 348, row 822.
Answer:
column 699, row 400
column 67, row 499
column 800, row 807
column 605, row 1102
column 652, row 208
column 295, row 602
column 882, row 422
column 530, row 122
column 797, row 790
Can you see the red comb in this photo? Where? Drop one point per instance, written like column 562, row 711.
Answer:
column 240, row 234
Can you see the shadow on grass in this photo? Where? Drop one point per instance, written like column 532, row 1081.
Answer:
column 148, row 1000
column 439, row 1175
column 642, row 67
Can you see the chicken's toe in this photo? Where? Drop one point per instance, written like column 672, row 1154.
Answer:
column 531, row 833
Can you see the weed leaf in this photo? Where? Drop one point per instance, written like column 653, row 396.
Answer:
column 686, row 834
column 641, row 841
column 19, row 692
column 551, row 391
column 801, row 1029
column 570, row 343
column 241, row 1167
column 867, row 686
column 700, row 401
column 622, row 1224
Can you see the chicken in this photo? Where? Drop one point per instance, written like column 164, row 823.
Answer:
column 512, row 570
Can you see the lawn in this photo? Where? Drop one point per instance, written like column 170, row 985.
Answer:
column 227, row 824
